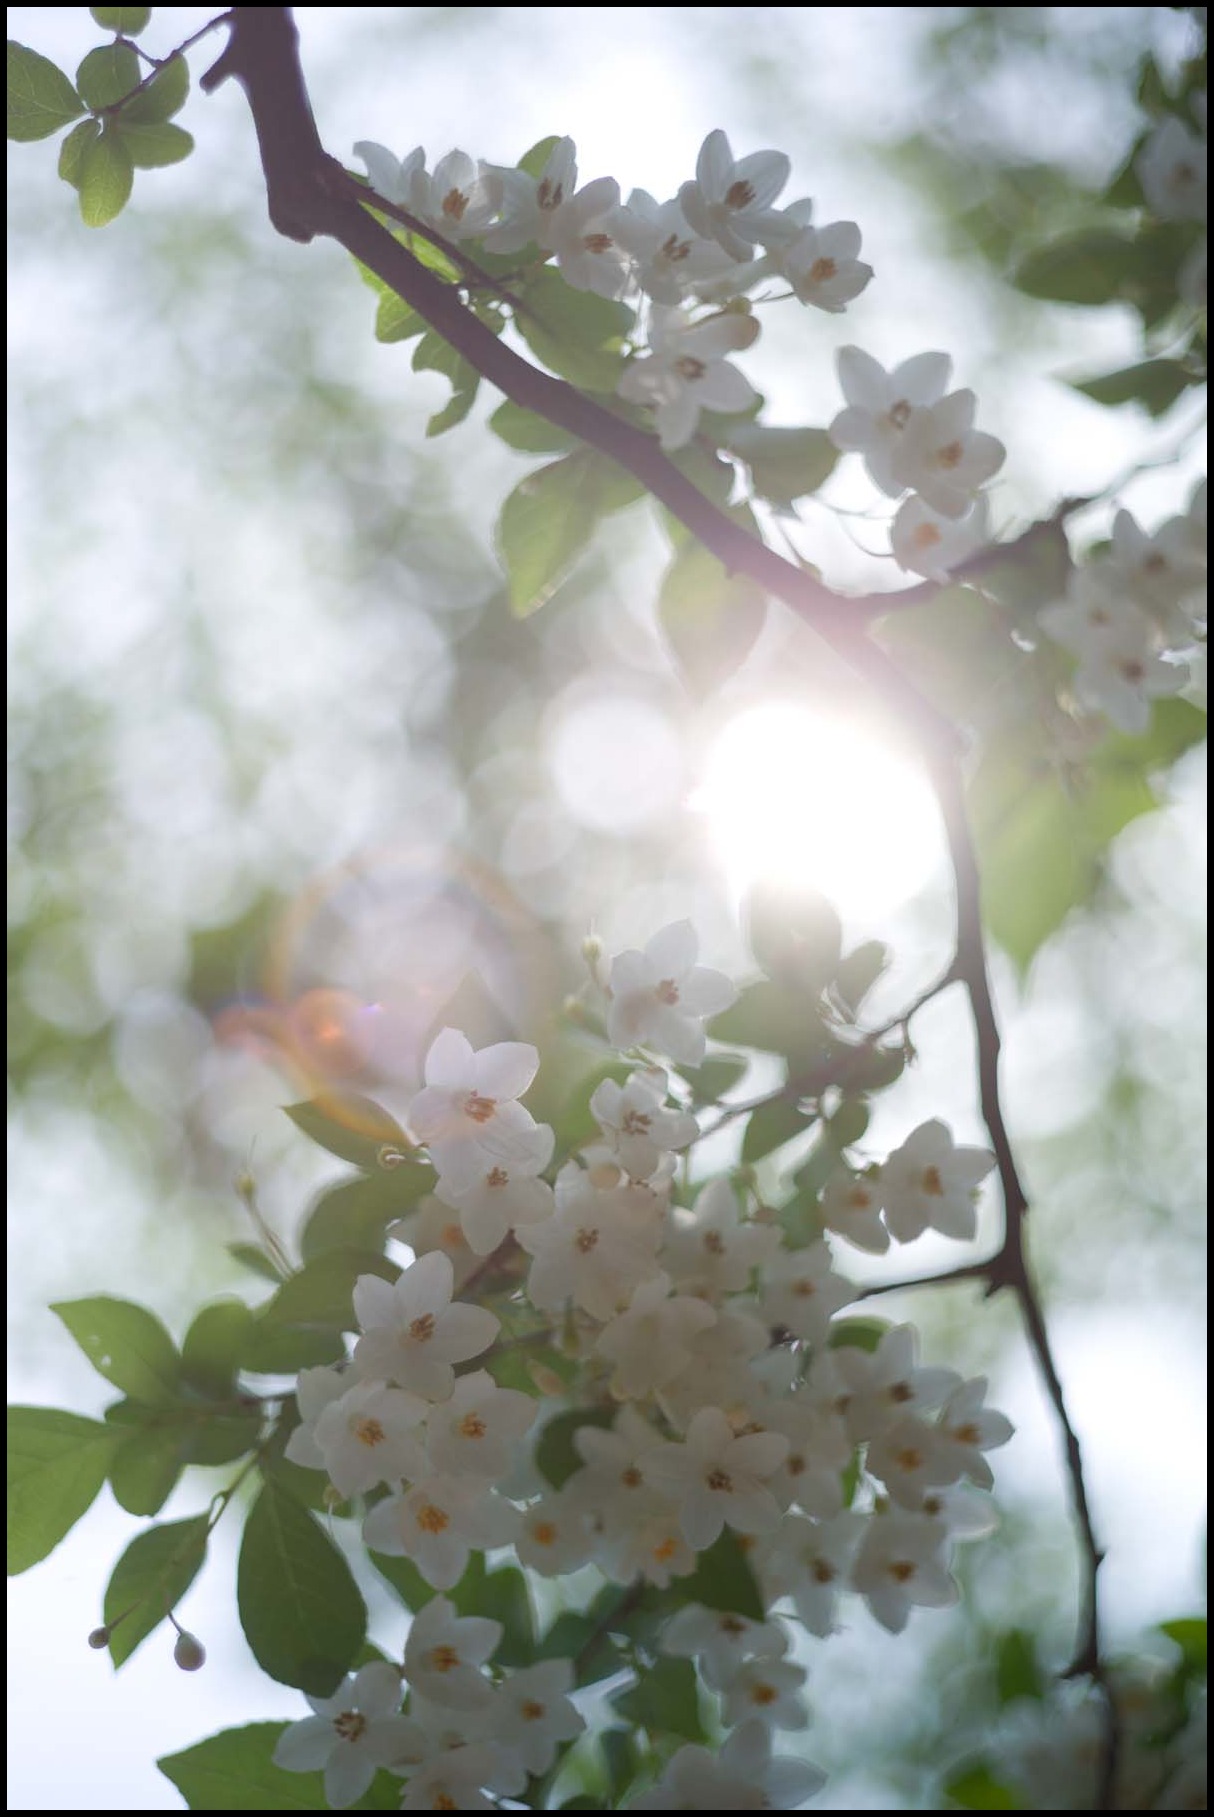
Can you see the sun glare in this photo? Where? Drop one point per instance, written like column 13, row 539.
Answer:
column 795, row 798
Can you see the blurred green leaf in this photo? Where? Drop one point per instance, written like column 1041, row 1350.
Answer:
column 978, row 1790
column 575, row 333
column 1017, row 1671
column 721, row 1580
column 235, row 1771
column 351, row 1127
column 404, row 1577
column 356, row 1214
column 126, row 1344
column 857, row 1334
column 529, row 433
column 716, row 1076
column 1155, row 384
column 795, row 935
column 1089, row 267
column 858, row 972
column 766, row 1016
column 1190, row 1635
column 300, row 1608
column 321, row 1293
column 213, row 1347
column 785, row 464
column 711, row 619
column 433, row 354
column 534, row 160
column 556, row 1456
column 71, row 152
column 251, row 1257
column 40, row 97
column 770, row 1127
column 150, row 1579
column 622, row 1760
column 146, row 1466
column 549, row 518
column 396, row 320
column 56, row 1464
column 666, row 1701
column 128, row 20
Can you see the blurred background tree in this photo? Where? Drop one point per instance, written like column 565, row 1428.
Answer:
column 286, row 775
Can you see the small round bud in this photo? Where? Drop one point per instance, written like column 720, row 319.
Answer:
column 574, row 1010
column 100, row 1637
column 592, row 949
column 189, row 1653
column 246, row 1187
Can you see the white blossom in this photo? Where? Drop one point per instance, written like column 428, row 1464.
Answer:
column 823, row 266
column 911, row 1457
column 452, row 1779
column 649, row 1342
column 444, row 1654
column 730, row 202
column 942, row 457
column 721, row 1641
column 349, row 1734
column 802, row 1292
column 595, row 1250
column 717, row 1477
column 439, row 1523
column 900, row 1566
column 880, row 1385
column 770, row 1691
column 475, row 1432
column 879, row 407
column 810, row 1561
column 534, row 1714
column 555, row 1535
column 671, row 258
column 661, row 998
column 851, row 1206
column 638, row 1127
column 466, row 1113
column 368, row 1436
column 685, row 372
column 505, row 1194
column 970, row 1428
column 1124, row 675
column 742, row 1776
column 391, row 177
column 927, row 543
column 929, row 1184
column 412, row 1334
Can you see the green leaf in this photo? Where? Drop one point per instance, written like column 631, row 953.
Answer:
column 721, row 1580
column 666, row 1701
column 213, row 1347
column 858, row 972
column 71, row 152
column 1042, row 835
column 622, row 1760
column 250, row 1256
column 56, row 1464
column 549, row 518
column 575, row 333
column 165, row 95
column 404, row 1577
column 433, row 354
column 579, row 1638
column 286, row 1349
column 1189, row 1634
column 1089, row 267
column 531, row 434
column 107, row 74
column 146, row 1466
column 356, row 1214
column 785, row 464
column 770, row 1127
column 127, row 1345
column 857, row 1334
column 795, row 935
column 556, row 1456
column 150, row 1579
column 978, row 1790
column 235, row 1771
column 711, row 619
column 767, row 1017
column 299, row 1606
column 351, row 1127
column 104, row 178
column 502, row 1596
column 40, row 97
column 1017, row 1672
column 396, row 320
column 848, row 1123
column 321, row 1293
column 533, row 161
column 129, row 21
column 153, row 147
column 715, row 1077
column 1155, row 384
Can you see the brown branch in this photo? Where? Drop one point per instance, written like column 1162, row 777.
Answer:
column 310, row 194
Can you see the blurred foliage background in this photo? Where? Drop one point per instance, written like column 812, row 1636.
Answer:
column 286, row 778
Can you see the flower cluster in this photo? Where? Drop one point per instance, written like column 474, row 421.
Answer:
column 1132, row 615
column 719, row 1390
column 918, row 438
column 712, row 243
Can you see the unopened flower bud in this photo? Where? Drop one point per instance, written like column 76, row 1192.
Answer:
column 592, row 949
column 546, row 1380
column 189, row 1653
column 100, row 1637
